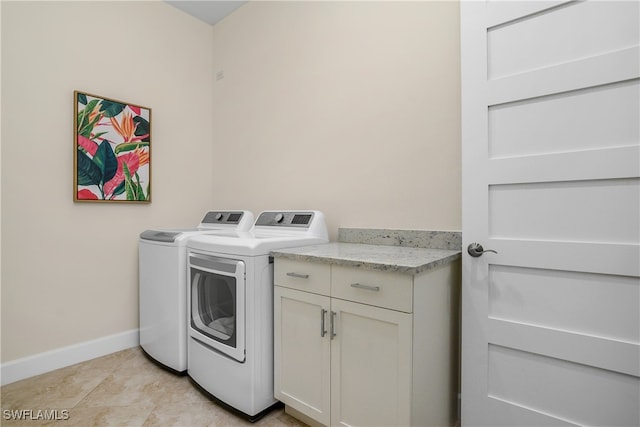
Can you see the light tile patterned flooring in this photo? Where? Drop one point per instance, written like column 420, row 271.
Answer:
column 122, row 389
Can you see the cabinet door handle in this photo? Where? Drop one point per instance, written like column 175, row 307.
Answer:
column 323, row 330
column 367, row 287
column 298, row 275
column 333, row 324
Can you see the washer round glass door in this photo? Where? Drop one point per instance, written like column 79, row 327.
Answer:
column 217, row 303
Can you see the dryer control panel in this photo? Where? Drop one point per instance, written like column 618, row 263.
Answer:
column 286, row 218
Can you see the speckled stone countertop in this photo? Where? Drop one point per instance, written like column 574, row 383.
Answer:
column 407, row 238
column 376, row 257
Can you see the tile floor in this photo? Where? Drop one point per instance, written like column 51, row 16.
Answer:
column 122, row 389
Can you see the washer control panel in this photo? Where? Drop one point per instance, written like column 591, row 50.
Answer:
column 222, row 217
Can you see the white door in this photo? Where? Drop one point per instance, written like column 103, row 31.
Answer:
column 302, row 359
column 551, row 167
column 217, row 303
column 370, row 365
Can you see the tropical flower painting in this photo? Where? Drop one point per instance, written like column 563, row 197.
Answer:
column 112, row 150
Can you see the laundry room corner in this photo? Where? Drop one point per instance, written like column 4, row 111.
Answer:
column 70, row 270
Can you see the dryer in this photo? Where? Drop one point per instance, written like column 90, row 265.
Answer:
column 162, row 265
column 230, row 307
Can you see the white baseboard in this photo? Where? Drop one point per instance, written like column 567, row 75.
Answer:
column 37, row 364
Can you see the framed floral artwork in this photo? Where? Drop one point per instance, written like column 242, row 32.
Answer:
column 112, row 150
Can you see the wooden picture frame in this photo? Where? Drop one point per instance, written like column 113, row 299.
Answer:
column 111, row 150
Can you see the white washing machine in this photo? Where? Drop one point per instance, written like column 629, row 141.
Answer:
column 162, row 265
column 230, row 310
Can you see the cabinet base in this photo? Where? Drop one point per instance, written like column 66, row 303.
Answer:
column 302, row 417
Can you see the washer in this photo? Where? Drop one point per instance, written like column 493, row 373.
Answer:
column 162, row 265
column 230, row 307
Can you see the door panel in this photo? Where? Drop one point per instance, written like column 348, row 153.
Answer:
column 513, row 47
column 551, row 168
column 611, row 67
column 591, row 118
column 370, row 366
column 587, row 211
column 555, row 386
column 551, row 303
column 301, row 353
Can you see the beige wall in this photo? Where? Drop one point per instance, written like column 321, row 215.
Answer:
column 348, row 107
column 69, row 271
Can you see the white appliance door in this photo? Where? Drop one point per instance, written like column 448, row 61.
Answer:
column 217, row 301
column 551, row 167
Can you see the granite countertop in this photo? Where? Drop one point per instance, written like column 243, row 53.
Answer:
column 399, row 259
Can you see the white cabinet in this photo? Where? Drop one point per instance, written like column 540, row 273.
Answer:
column 302, row 353
column 370, row 366
column 362, row 347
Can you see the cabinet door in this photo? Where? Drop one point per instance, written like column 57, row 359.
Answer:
column 302, row 352
column 370, row 366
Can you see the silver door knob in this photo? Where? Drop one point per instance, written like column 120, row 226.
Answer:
column 476, row 250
